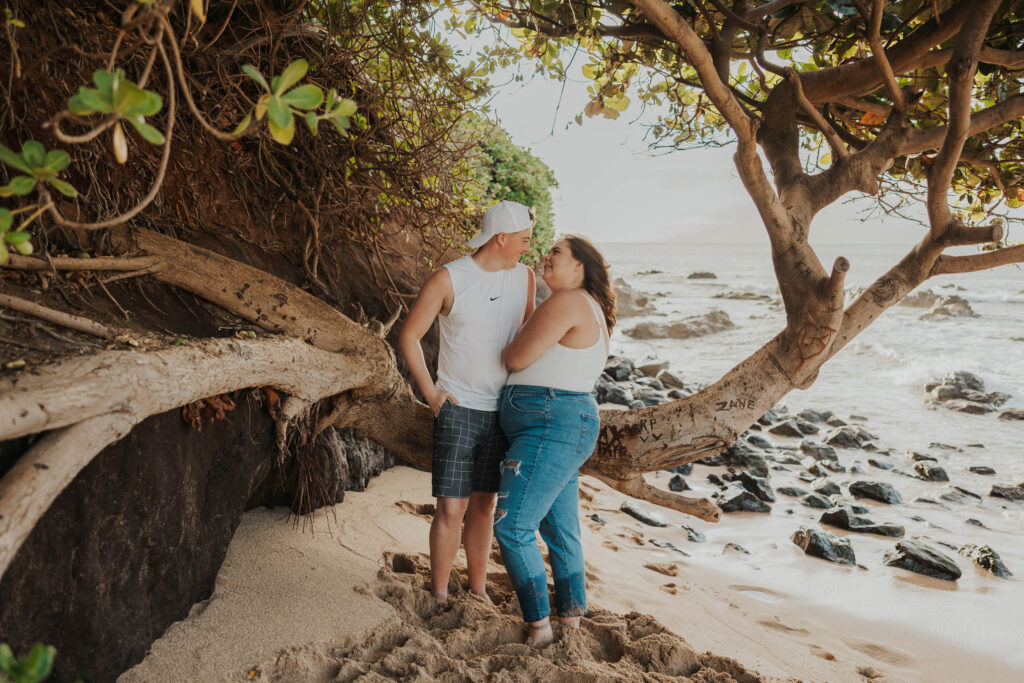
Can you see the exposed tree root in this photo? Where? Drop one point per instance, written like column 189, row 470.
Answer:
column 72, row 322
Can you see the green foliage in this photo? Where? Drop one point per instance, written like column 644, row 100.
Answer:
column 34, row 667
column 38, row 166
column 506, row 171
column 115, row 94
column 281, row 104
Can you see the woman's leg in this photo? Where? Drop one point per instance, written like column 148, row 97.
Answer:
column 560, row 529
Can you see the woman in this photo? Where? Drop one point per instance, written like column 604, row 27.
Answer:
column 550, row 416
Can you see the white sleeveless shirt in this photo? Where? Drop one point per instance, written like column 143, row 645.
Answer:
column 562, row 367
column 487, row 311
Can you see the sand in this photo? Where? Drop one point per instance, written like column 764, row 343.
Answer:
column 346, row 598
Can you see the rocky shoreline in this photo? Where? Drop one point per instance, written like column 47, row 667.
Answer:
column 818, row 460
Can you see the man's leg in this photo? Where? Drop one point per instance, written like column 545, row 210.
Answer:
column 445, row 533
column 479, row 530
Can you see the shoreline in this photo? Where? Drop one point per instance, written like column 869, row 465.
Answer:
column 286, row 597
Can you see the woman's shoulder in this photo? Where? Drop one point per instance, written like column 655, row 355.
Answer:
column 567, row 300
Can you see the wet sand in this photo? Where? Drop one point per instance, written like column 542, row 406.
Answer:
column 347, row 599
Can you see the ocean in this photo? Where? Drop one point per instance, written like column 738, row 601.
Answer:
column 880, row 374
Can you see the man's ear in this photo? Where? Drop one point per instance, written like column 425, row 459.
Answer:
column 501, row 238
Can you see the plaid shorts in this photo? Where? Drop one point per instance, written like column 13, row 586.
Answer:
column 468, row 449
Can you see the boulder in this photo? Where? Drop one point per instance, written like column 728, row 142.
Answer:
column 684, row 470
column 738, row 499
column 930, row 470
column 879, row 464
column 678, row 484
column 671, row 381
column 923, row 299
column 741, row 456
column 1012, row 415
column 653, row 369
column 652, row 382
column 876, row 490
column 964, row 392
column 981, row 469
column 917, row 457
column 835, row 422
column 787, row 428
column 619, row 369
column 814, row 415
column 759, row 441
column 814, row 500
column 839, row 501
column 649, row 396
column 844, row 437
column 614, row 393
column 759, row 486
column 987, row 559
column 693, row 326
column 1008, row 491
column 949, row 307
column 628, row 301
column 818, row 450
column 740, row 295
column 916, row 556
column 814, row 467
column 702, row 275
column 641, row 513
column 962, row 405
column 827, row 488
column 792, row 491
column 844, row 518
column 770, row 417
column 824, row 545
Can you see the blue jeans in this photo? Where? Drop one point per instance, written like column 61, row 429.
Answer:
column 551, row 434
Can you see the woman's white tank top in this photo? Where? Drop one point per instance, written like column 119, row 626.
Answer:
column 487, row 311
column 562, row 367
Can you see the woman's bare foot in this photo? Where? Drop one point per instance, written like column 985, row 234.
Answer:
column 539, row 635
column 482, row 596
column 440, row 599
column 569, row 622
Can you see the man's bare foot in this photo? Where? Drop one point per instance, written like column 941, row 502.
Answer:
column 539, row 635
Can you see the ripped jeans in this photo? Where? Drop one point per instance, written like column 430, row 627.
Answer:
column 551, row 434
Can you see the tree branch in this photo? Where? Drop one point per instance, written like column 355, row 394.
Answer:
column 878, row 54
column 961, row 68
column 946, row 265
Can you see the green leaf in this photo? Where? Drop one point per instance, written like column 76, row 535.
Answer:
column 14, row 160
column 255, row 75
column 17, row 237
column 89, row 101
column 63, row 187
column 33, row 153
column 147, row 131
column 825, row 159
column 131, row 100
column 243, row 124
column 311, row 122
column 40, row 660
column 278, row 112
column 3, row 259
column 346, row 108
column 340, row 125
column 282, row 134
column 6, row 220
column 292, row 74
column 106, row 82
column 57, row 160
column 21, row 185
column 304, row 97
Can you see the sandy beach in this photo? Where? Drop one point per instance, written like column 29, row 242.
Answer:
column 344, row 597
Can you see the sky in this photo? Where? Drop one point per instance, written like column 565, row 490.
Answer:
column 612, row 188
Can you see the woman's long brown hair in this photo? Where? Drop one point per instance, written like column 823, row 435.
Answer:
column 596, row 280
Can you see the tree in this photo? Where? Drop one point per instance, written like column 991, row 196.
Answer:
column 894, row 90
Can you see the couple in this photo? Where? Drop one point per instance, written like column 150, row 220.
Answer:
column 515, row 440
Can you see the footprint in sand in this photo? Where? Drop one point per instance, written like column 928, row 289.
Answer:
column 666, row 568
column 762, row 594
column 421, row 509
column 823, row 653
column 610, row 545
column 669, row 588
column 881, row 653
column 779, row 626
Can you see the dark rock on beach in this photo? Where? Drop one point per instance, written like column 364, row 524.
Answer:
column 644, row 515
column 759, row 486
column 981, row 469
column 678, row 484
column 738, row 499
column 949, row 307
column 618, row 368
column 879, row 464
column 702, row 275
column 845, row 519
column 787, row 428
column 965, row 393
column 840, row 502
column 987, row 559
column 814, row 500
column 818, row 450
column 628, row 301
column 693, row 535
column 735, row 547
column 1012, row 415
column 1008, row 491
column 653, row 369
column 930, row 471
column 758, row 441
column 876, row 490
column 827, row 488
column 917, row 556
column 693, row 326
column 792, row 491
column 824, row 545
column 844, row 437
column 667, row 545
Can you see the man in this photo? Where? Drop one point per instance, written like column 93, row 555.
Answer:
column 481, row 302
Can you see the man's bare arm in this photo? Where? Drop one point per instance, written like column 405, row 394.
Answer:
column 424, row 312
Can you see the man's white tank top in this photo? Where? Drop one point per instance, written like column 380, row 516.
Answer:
column 488, row 310
column 563, row 367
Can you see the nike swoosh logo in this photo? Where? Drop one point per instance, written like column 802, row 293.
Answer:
column 495, row 297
